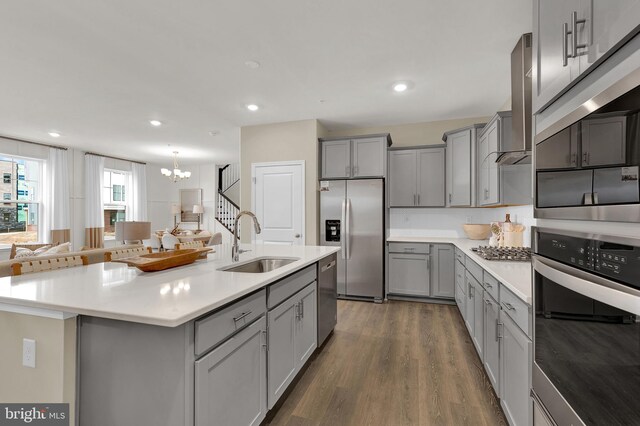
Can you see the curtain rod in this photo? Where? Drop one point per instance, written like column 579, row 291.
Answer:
column 34, row 143
column 114, row 158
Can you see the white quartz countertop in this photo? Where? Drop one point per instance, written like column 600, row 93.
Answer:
column 167, row 298
column 516, row 276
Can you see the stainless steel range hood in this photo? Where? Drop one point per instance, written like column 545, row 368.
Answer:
column 518, row 149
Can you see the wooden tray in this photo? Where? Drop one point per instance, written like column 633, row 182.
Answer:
column 167, row 259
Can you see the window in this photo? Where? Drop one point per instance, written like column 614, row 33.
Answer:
column 20, row 190
column 114, row 192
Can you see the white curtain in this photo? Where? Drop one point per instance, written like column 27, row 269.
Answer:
column 137, row 196
column 55, row 213
column 94, row 200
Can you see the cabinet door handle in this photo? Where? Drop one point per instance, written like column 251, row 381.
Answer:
column 565, row 53
column 414, row 199
column 418, row 199
column 449, row 197
column 509, row 306
column 355, row 170
column 498, row 336
column 574, row 33
column 297, row 308
column 486, row 194
column 242, row 315
column 573, row 159
column 488, row 285
column 301, row 309
column 266, row 339
column 585, row 158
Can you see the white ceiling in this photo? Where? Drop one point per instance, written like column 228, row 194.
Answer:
column 97, row 71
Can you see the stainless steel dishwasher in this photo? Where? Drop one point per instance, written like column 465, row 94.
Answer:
column 327, row 297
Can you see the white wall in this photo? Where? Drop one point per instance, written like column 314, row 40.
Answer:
column 447, row 222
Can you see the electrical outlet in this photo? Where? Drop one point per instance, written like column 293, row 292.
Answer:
column 29, row 353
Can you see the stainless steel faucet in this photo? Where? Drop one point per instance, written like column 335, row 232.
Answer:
column 235, row 250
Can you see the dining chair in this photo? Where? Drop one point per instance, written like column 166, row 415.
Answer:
column 215, row 239
column 153, row 242
column 169, row 241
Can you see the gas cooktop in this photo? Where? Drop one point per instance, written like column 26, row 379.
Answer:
column 514, row 254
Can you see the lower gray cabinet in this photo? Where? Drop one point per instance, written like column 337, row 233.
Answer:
column 409, row 274
column 443, row 271
column 515, row 361
column 292, row 339
column 492, row 341
column 231, row 381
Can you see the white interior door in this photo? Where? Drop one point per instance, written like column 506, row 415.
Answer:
column 278, row 202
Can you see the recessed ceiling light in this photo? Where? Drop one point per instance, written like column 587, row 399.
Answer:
column 253, row 107
column 54, row 134
column 252, row 64
column 400, row 87
column 155, row 123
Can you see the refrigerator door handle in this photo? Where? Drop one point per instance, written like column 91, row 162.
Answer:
column 348, row 213
column 343, row 230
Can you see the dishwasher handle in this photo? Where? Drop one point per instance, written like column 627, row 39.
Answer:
column 328, row 266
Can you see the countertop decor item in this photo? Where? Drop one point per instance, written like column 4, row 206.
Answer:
column 477, row 231
column 165, row 260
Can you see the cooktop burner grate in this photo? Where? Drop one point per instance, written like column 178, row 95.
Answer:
column 514, row 254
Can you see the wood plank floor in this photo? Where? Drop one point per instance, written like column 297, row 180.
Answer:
column 397, row 363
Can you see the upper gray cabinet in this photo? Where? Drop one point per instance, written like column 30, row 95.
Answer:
column 336, row 159
column 416, row 177
column 570, row 36
column 461, row 167
column 500, row 185
column 357, row 157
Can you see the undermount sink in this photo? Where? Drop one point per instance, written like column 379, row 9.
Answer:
column 260, row 265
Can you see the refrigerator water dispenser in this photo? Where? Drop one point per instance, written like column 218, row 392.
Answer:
column 332, row 230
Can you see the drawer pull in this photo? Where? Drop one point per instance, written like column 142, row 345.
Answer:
column 328, row 266
column 241, row 316
column 509, row 306
column 488, row 285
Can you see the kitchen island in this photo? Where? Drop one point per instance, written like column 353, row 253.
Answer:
column 183, row 345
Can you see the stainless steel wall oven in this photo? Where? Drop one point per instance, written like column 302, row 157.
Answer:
column 587, row 164
column 586, row 297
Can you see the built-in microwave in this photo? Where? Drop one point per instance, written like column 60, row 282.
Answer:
column 587, row 164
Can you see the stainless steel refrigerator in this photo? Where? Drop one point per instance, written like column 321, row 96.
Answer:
column 352, row 217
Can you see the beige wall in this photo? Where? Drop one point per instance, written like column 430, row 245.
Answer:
column 54, row 378
column 428, row 133
column 296, row 140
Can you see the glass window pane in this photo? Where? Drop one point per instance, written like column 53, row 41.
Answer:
column 18, row 223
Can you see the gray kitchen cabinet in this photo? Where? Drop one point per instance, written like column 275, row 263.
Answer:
column 241, row 361
column 553, row 61
column 355, row 157
column 307, row 340
column 443, row 271
column 515, row 362
column 611, row 22
column 570, row 36
column 292, row 339
column 461, row 166
column 368, row 157
column 431, row 178
column 470, row 306
column 604, row 140
column 478, row 321
column 492, row 341
column 417, row 177
column 336, row 159
column 402, row 178
column 488, row 146
column 409, row 274
column 461, row 298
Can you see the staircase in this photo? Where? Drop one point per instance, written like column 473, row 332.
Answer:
column 228, row 185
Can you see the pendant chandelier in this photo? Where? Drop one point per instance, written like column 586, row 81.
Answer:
column 176, row 174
